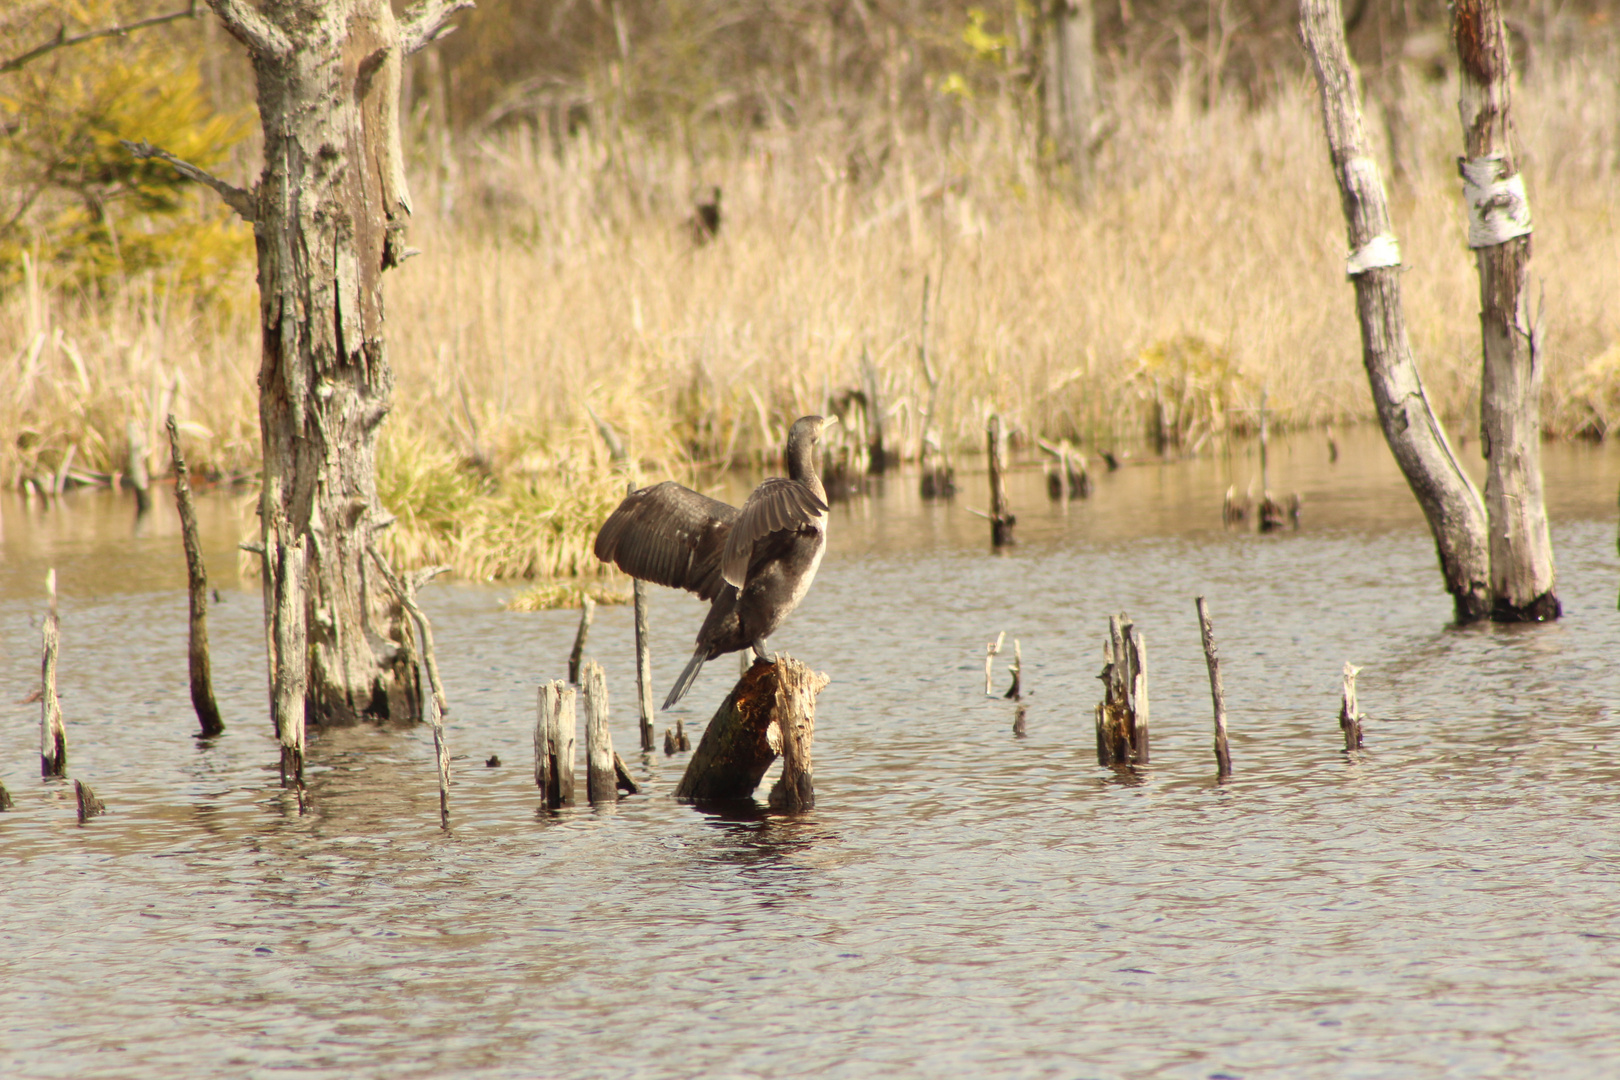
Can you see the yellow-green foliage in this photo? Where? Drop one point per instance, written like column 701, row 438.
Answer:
column 565, row 594
column 532, row 511
column 75, row 198
column 1191, row 388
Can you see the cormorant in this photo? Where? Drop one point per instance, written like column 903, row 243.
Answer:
column 704, row 223
column 755, row 563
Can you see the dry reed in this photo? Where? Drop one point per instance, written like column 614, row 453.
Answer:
column 557, row 275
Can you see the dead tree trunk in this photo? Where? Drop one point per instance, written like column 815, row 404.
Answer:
column 1449, row 500
column 328, row 213
column 1070, row 89
column 1522, row 577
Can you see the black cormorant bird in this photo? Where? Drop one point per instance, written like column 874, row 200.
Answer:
column 755, row 563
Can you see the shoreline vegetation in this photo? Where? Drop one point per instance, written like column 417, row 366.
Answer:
column 560, row 281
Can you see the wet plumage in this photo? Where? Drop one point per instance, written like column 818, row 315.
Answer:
column 754, row 563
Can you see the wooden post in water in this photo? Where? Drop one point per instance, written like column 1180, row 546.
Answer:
column 554, row 739
column 644, row 691
column 877, row 453
column 1122, row 715
column 1223, row 753
column 601, row 779
column 1349, row 716
column 1015, row 692
column 5, row 799
column 992, row 649
column 587, row 612
column 52, row 732
column 202, row 680
column 135, row 468
column 89, row 805
column 771, row 704
column 1001, row 518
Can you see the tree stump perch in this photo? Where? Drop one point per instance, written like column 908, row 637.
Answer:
column 771, row 710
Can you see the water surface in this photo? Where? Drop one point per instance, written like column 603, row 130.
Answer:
column 962, row 901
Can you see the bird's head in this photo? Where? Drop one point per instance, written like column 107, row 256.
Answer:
column 807, row 430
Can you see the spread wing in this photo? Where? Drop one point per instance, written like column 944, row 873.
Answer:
column 669, row 535
column 778, row 503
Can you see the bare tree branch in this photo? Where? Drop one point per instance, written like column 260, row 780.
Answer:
column 62, row 41
column 249, row 26
column 236, row 198
column 426, row 21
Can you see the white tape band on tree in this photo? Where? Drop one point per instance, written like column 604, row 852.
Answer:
column 1497, row 208
column 1382, row 250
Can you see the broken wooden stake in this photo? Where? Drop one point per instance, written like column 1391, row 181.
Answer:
column 601, row 781
column 587, row 612
column 1001, row 518
column 1223, row 753
column 89, row 805
column 202, row 681
column 621, row 773
column 52, row 732
column 1015, row 692
column 771, row 710
column 1349, row 718
column 554, row 737
column 135, row 469
column 644, row 690
column 992, row 649
column 1122, row 715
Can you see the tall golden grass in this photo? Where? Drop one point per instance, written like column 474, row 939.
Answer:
column 557, row 278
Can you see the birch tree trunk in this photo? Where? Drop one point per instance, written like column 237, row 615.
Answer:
column 1070, row 88
column 328, row 214
column 1522, row 574
column 1449, row 499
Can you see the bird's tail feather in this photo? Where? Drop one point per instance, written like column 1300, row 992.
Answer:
column 688, row 677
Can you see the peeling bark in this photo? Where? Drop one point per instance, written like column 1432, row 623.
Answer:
column 1450, row 502
column 328, row 214
column 1522, row 575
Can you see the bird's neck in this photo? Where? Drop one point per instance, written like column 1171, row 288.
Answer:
column 801, row 466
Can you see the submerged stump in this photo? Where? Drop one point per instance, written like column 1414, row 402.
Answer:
column 1122, row 715
column 771, row 711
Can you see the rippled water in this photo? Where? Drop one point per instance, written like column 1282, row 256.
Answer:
column 961, row 902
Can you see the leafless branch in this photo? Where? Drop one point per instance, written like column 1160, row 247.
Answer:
column 428, row 20
column 237, row 199
column 62, row 41
column 249, row 26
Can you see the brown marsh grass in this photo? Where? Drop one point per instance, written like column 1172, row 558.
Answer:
column 557, row 277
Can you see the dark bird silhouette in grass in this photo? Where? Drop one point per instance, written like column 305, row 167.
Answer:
column 754, row 563
column 705, row 220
